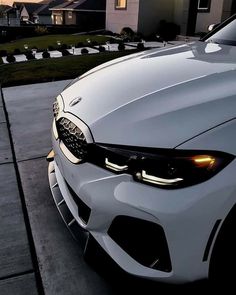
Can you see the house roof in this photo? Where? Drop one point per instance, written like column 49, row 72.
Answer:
column 7, row 9
column 43, row 9
column 30, row 6
column 4, row 8
column 62, row 5
column 40, row 8
column 82, row 5
column 46, row 5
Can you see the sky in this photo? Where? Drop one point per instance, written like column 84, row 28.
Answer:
column 9, row 2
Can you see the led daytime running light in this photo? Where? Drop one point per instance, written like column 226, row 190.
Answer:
column 115, row 167
column 157, row 180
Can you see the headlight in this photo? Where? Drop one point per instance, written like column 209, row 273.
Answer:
column 58, row 106
column 165, row 168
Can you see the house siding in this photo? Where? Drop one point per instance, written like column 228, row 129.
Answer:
column 145, row 15
column 214, row 16
column 90, row 20
column 181, row 12
column 226, row 9
column 45, row 19
column 13, row 22
column 70, row 21
column 117, row 19
column 24, row 14
column 151, row 12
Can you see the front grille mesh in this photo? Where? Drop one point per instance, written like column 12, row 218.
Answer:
column 72, row 137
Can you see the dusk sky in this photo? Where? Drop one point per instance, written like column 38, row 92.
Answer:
column 9, row 2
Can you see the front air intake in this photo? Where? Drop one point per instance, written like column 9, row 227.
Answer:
column 143, row 240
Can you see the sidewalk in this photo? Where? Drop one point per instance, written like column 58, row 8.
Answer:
column 17, row 274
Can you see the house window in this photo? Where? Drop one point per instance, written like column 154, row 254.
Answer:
column 120, row 4
column 69, row 14
column 204, row 5
column 58, row 20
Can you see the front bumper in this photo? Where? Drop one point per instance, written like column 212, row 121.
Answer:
column 183, row 214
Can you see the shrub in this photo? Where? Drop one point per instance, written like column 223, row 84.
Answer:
column 11, row 58
column 84, row 51
column 112, row 40
column 51, row 48
column 137, row 38
column 140, row 46
column 29, row 55
column 40, row 30
column 65, row 52
column 101, row 48
column 126, row 39
column 3, row 52
column 94, row 43
column 127, row 32
column 46, row 54
column 107, row 33
column 121, row 46
column 64, row 46
column 168, row 30
column 80, row 44
column 17, row 51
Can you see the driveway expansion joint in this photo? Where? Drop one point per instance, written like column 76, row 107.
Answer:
column 33, row 253
column 20, row 274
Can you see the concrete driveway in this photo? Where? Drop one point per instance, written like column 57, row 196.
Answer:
column 37, row 253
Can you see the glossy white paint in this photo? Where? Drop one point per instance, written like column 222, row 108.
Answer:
column 182, row 97
column 143, row 93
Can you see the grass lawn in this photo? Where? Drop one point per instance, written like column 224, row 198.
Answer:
column 42, row 42
column 53, row 69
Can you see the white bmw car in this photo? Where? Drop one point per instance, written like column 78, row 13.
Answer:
column 143, row 159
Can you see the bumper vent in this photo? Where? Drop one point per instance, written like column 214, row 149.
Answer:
column 144, row 241
column 83, row 210
column 73, row 138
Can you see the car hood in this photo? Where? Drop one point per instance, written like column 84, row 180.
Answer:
column 158, row 98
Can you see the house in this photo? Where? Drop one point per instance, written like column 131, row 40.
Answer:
column 36, row 13
column 140, row 15
column 212, row 12
column 26, row 10
column 193, row 16
column 43, row 15
column 8, row 16
column 87, row 14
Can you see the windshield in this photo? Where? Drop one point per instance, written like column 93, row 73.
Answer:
column 226, row 34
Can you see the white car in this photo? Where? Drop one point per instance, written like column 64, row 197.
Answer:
column 144, row 159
